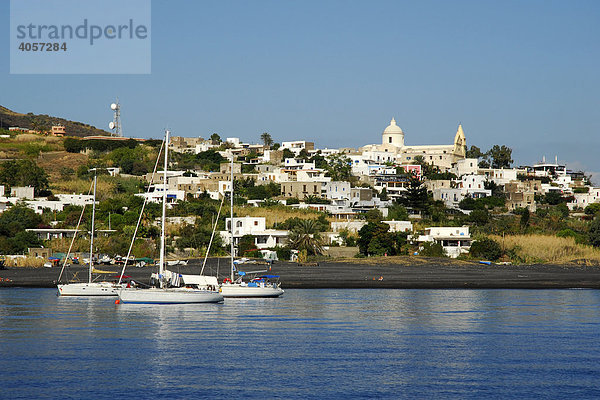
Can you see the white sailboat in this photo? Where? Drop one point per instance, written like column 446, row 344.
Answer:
column 197, row 289
column 91, row 287
column 260, row 286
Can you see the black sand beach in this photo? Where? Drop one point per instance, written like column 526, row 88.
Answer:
column 390, row 273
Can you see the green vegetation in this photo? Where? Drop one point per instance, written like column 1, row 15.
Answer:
column 496, row 157
column 14, row 239
column 486, row 248
column 209, row 161
column 374, row 239
column 306, row 236
column 23, row 173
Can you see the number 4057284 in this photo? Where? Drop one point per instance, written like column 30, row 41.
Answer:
column 43, row 46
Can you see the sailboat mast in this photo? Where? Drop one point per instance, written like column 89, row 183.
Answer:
column 161, row 267
column 231, row 194
column 92, row 233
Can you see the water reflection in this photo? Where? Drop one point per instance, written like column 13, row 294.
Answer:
column 313, row 343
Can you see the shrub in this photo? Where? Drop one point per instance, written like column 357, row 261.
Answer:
column 283, row 253
column 486, row 248
column 594, row 233
column 432, row 249
column 592, row 209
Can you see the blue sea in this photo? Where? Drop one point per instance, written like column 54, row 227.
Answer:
column 319, row 344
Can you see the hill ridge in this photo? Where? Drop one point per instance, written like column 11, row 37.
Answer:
column 9, row 118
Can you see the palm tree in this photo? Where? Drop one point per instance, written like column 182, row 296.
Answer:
column 266, row 138
column 307, row 236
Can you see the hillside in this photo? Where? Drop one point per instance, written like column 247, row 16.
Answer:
column 10, row 118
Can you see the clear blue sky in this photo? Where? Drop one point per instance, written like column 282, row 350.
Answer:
column 520, row 73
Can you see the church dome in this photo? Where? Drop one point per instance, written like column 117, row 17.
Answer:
column 392, row 128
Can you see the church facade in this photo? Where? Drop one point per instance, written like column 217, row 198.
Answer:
column 392, row 149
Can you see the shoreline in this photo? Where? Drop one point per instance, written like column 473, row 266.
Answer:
column 393, row 273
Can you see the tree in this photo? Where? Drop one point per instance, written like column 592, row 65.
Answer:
column 339, row 167
column 432, row 249
column 486, row 248
column 501, row 156
column 375, row 239
column 426, row 168
column 287, row 153
column 592, row 209
column 374, row 215
column 17, row 219
column 553, row 197
column 23, row 173
column 306, row 235
column 479, row 217
column 525, row 216
column 266, row 139
column 594, row 233
column 397, row 212
column 474, row 152
column 319, row 160
column 383, row 196
column 416, row 196
column 246, row 244
column 215, row 139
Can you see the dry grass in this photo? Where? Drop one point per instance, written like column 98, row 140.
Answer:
column 276, row 214
column 54, row 163
column 25, row 262
column 26, row 137
column 106, row 187
column 29, row 145
column 548, row 249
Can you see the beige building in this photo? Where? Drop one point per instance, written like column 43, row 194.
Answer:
column 521, row 194
column 393, row 149
column 301, row 190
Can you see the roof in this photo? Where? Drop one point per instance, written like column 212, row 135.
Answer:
column 392, row 128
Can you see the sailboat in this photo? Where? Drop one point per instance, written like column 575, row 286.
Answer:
column 260, row 286
column 168, row 289
column 91, row 287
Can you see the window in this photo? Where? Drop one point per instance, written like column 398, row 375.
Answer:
column 390, row 139
column 255, row 223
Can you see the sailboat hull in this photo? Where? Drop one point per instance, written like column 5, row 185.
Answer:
column 168, row 296
column 234, row 290
column 88, row 289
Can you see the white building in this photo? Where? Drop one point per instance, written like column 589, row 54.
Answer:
column 76, row 199
column 297, row 146
column 582, row 200
column 500, row 176
column 336, row 190
column 26, row 192
column 454, row 240
column 155, row 195
column 468, row 166
column 254, row 226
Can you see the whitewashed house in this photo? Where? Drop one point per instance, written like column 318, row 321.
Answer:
column 454, row 240
column 255, row 226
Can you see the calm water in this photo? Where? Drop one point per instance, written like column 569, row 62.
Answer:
column 307, row 344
